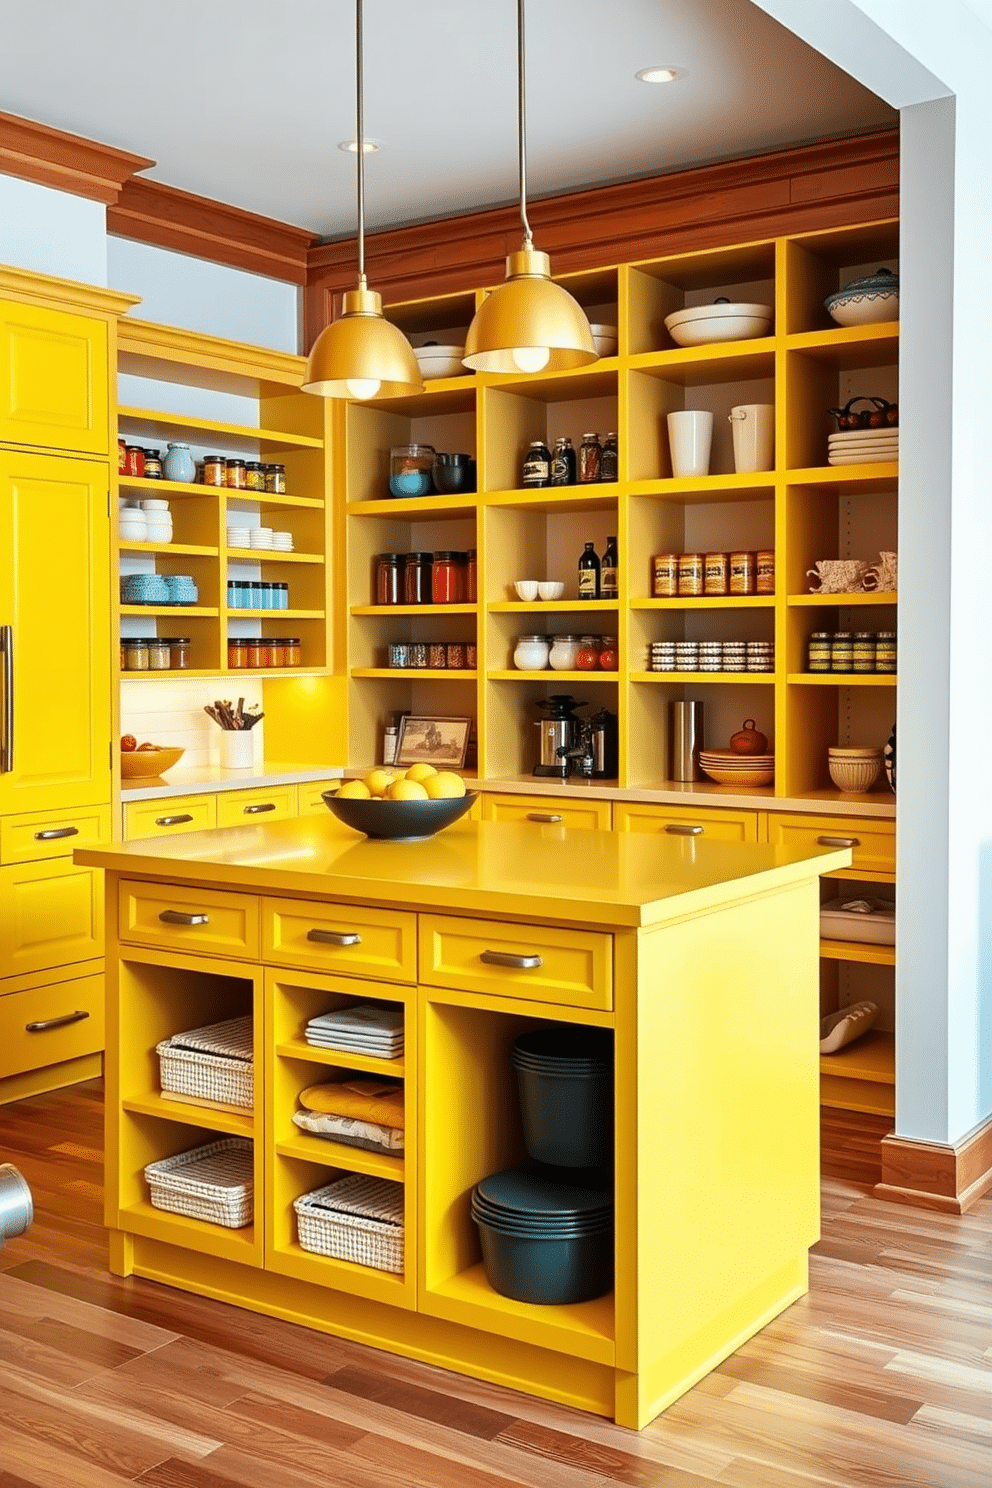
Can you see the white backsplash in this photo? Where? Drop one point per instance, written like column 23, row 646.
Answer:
column 170, row 712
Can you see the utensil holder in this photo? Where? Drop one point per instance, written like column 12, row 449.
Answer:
column 237, row 749
column 690, row 435
column 685, row 739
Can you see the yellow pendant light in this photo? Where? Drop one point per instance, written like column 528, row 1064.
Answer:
column 529, row 324
column 361, row 355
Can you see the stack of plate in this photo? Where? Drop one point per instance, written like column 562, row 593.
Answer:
column 863, row 446
column 282, row 542
column 364, row 1028
column 728, row 768
column 542, row 1241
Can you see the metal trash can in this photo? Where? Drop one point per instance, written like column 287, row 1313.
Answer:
column 16, row 1205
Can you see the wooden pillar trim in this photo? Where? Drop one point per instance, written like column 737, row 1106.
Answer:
column 933, row 1176
column 166, row 217
column 51, row 157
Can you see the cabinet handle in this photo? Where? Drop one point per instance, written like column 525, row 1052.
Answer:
column 46, row 1023
column 838, row 842
column 173, row 821
column 259, row 806
column 510, row 958
column 54, row 832
column 544, row 816
column 7, row 740
column 335, row 937
column 183, row 917
column 683, row 829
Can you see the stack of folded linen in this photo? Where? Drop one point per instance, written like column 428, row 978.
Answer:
column 365, row 1113
column 364, row 1028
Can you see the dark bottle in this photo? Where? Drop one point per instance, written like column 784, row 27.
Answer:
column 608, row 586
column 609, row 460
column 537, row 465
column 590, row 454
column 563, row 463
column 589, row 573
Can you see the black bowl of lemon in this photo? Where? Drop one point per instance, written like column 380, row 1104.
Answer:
column 396, row 807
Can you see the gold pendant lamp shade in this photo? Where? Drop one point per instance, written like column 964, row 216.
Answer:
column 529, row 324
column 361, row 355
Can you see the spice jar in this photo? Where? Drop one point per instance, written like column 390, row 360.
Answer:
column 885, row 651
column 275, row 479
column 564, row 650
column 716, row 573
column 254, row 476
column 135, row 652
column 609, row 460
column 471, row 655
column 471, row 576
column 237, row 654
column 818, row 651
column 419, row 654
column 179, row 653
column 665, row 575
column 399, row 654
column 159, row 655
column 417, row 578
column 590, row 458
column 257, row 652
column 742, row 573
column 135, row 460
column 445, row 576
column 842, row 651
column 863, row 652
column 587, row 656
column 292, row 652
column 608, row 654
column 153, row 464
column 214, row 470
column 388, row 579
column 236, row 475
column 692, row 569
column 531, row 653
column 765, row 579
column 456, row 655
column 437, row 655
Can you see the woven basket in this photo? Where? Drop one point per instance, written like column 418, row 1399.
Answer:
column 355, row 1219
column 214, row 1182
column 212, row 1063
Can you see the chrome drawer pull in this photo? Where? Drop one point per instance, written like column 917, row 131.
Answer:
column 54, row 832
column 543, row 816
column 42, row 1027
column 172, row 821
column 183, row 917
column 509, row 958
column 335, row 937
column 259, row 806
column 838, row 842
column 683, row 829
column 7, row 740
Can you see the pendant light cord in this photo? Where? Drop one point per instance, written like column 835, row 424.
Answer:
column 360, row 142
column 521, row 123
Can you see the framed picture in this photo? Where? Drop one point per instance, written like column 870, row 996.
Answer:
column 433, row 741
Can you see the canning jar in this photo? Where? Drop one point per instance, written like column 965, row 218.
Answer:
column 236, row 474
column 471, row 655
column 254, row 476
column 437, row 655
column 257, row 652
column 179, row 653
column 291, row 651
column 587, row 656
column 842, row 651
column 153, row 464
column 214, row 470
column 388, row 579
column 715, row 573
column 159, row 654
column 864, row 651
column 419, row 654
column 410, row 468
column 564, row 650
column 399, row 654
column 471, row 576
column 885, row 651
column 531, row 653
column 135, row 650
column 445, row 579
column 818, row 651
column 692, row 573
column 417, row 569
column 237, row 654
column 742, row 573
column 280, row 596
column 455, row 655
column 608, row 654
column 665, row 575
column 765, row 582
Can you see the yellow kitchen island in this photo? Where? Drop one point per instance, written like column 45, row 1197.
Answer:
column 701, row 956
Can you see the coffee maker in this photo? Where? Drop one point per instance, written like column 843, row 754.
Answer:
column 595, row 754
column 557, row 734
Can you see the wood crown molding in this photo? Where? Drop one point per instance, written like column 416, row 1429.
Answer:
column 169, row 218
column 806, row 189
column 931, row 1175
column 50, row 157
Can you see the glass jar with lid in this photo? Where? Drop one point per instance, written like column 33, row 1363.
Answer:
column 446, row 578
column 587, row 656
column 134, row 651
column 471, row 576
column 237, row 653
column 531, row 653
column 179, row 652
column 410, row 467
column 159, row 654
column 417, row 568
column 275, row 479
column 236, row 474
column 291, row 649
column 564, row 651
column 388, row 579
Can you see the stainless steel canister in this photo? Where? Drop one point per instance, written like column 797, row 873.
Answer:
column 685, row 739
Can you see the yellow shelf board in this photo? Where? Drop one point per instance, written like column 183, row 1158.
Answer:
column 148, row 417
column 238, row 614
column 345, row 1276
column 841, row 336
column 552, row 606
column 871, row 1057
column 726, row 361
column 596, row 380
column 148, row 348
column 300, row 1049
column 338, row 1155
column 421, row 674
column 548, row 674
column 707, row 602
column 205, row 612
column 868, row 477
column 594, row 497
column 422, row 609
column 700, row 488
column 171, row 674
column 738, row 678
column 583, row 1329
column 184, row 550
column 708, row 791
column 882, row 803
column 191, row 1234
column 853, row 950
column 441, row 395
column 155, row 490
column 842, row 679
column 269, row 498
column 878, row 597
column 269, row 555
column 206, row 1116
column 413, row 507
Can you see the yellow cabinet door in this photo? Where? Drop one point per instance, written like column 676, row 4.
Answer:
column 550, row 810
column 244, row 808
column 49, row 1024
column 54, row 633
column 169, row 815
column 681, row 821
column 54, row 386
column 51, row 914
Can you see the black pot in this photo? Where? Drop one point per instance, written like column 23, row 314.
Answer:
column 454, row 474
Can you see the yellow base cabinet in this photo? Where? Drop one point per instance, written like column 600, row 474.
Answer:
column 50, row 1024
column 546, row 810
column 51, row 915
column 687, row 821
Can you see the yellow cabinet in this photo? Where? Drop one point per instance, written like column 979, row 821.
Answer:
column 687, row 821
column 181, row 919
column 357, row 940
column 47, row 1025
column 241, row 808
column 540, row 963
column 872, row 842
column 553, row 810
column 54, row 387
column 51, row 914
column 309, row 801
column 52, row 834
column 54, row 633
column 169, row 815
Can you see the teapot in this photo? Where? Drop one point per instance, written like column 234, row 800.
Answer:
column 748, row 740
column 880, row 416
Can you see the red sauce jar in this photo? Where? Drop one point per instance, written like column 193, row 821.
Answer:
column 135, row 460
column 121, row 457
column 587, row 656
column 446, row 579
column 608, row 654
column 471, row 577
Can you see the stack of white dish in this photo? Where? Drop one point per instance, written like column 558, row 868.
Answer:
column 239, row 537
column 149, row 522
column 282, row 542
column 364, row 1028
column 699, row 325
column 742, row 770
column 863, row 446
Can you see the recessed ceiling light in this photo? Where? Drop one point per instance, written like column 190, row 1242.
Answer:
column 371, row 146
column 659, row 74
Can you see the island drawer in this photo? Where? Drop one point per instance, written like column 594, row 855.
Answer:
column 190, row 919
column 687, row 821
column 358, row 940
column 872, row 842
column 52, row 834
column 547, row 809
column 47, row 1025
column 541, row 963
column 168, row 816
column 245, row 807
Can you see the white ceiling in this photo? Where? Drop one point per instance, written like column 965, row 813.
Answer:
column 246, row 100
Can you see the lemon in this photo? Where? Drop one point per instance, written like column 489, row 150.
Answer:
column 406, row 790
column 377, row 782
column 420, row 772
column 354, row 790
column 444, row 785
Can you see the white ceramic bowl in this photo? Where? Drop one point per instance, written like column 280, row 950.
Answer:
column 526, row 590
column 738, row 321
column 550, row 589
column 440, row 361
column 865, row 309
column 133, row 529
column 604, row 338
column 155, row 506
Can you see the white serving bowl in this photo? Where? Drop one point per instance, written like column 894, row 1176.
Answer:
column 738, row 321
column 865, row 309
column 440, row 361
column 526, row 590
column 550, row 589
column 605, row 339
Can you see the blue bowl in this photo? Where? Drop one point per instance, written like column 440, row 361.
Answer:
column 411, row 483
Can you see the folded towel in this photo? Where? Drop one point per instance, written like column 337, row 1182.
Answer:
column 380, row 1101
column 369, row 1135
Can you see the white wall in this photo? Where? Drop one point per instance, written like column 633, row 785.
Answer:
column 51, row 232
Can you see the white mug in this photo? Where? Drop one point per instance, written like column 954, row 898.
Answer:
column 754, row 437
column 690, row 434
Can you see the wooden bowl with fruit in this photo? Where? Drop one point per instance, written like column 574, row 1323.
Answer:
column 146, row 761
column 401, row 807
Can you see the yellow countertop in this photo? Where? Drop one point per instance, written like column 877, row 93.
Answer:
column 517, row 869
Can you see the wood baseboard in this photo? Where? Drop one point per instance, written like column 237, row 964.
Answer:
column 851, row 1144
column 930, row 1175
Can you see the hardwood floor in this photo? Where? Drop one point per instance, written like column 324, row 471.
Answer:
column 880, row 1378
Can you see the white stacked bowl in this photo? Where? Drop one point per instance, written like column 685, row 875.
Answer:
column 239, row 537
